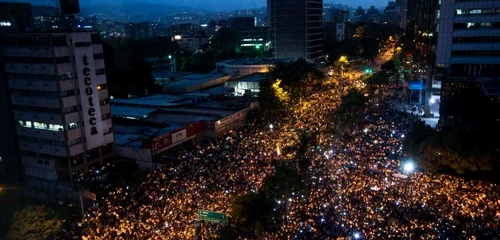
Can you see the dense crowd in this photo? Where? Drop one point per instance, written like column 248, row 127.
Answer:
column 358, row 189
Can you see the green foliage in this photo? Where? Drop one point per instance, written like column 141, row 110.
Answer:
column 285, row 179
column 370, row 48
column 35, row 222
column 418, row 133
column 352, row 104
column 463, row 148
column 253, row 213
column 307, row 140
column 298, row 78
column 199, row 62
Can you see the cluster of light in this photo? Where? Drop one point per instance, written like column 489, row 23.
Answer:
column 409, row 167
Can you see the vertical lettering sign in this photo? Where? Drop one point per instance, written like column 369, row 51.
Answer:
column 91, row 110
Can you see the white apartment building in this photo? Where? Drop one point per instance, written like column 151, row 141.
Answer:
column 59, row 100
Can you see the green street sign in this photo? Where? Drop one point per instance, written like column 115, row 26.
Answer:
column 213, row 217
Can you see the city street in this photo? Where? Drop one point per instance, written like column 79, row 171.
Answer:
column 361, row 185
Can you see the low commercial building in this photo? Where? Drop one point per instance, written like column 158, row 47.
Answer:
column 147, row 128
column 244, row 66
column 247, row 85
column 195, row 82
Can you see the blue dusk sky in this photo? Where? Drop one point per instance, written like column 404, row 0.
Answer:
column 211, row 5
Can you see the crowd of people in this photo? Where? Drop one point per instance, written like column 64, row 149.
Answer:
column 357, row 186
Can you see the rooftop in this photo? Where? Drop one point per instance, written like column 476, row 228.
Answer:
column 248, row 61
column 157, row 100
column 254, row 77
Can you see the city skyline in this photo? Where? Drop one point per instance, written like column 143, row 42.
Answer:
column 212, row 5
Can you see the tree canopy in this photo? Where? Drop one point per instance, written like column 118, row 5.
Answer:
column 463, row 148
column 253, row 213
column 35, row 222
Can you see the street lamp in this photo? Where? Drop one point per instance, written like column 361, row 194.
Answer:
column 408, row 167
column 271, row 126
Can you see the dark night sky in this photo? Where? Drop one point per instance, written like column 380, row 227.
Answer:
column 211, row 5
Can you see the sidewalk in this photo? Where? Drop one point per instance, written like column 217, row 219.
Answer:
column 431, row 121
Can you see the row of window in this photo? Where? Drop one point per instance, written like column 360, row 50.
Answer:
column 47, row 126
column 476, row 39
column 33, row 93
column 477, row 25
column 46, row 60
column 42, row 141
column 475, row 53
column 43, row 41
column 37, row 60
column 474, row 11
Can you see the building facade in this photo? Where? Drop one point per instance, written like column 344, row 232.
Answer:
column 468, row 48
column 296, row 28
column 15, row 17
column 59, row 102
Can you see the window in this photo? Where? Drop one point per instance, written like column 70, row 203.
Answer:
column 25, row 124
column 55, row 127
column 102, row 86
column 99, row 71
column 39, row 125
column 73, row 125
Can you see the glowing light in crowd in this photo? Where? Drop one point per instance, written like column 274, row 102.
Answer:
column 409, row 167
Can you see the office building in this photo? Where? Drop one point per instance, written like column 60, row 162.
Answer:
column 15, row 17
column 468, row 50
column 138, row 30
column 296, row 28
column 59, row 103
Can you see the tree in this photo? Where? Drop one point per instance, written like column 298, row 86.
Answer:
column 352, row 104
column 35, row 222
column 370, row 48
column 285, row 179
column 378, row 80
column 417, row 135
column 253, row 213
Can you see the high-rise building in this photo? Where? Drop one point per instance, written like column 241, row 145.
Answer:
column 138, row 30
column 296, row 28
column 468, row 48
column 59, row 103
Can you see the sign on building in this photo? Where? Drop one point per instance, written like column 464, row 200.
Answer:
column 89, row 97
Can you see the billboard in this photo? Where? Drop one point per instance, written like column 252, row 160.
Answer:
column 89, row 98
column 416, row 85
column 163, row 142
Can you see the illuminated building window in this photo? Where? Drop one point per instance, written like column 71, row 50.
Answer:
column 39, row 125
